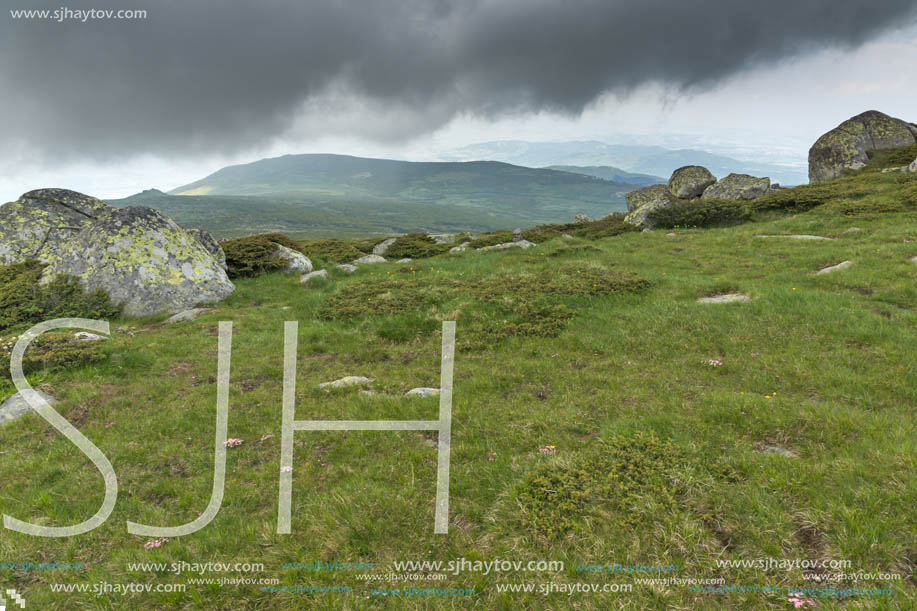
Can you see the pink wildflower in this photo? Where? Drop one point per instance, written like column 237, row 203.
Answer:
column 232, row 442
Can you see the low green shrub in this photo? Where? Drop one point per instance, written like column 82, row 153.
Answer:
column 632, row 476
column 23, row 300
column 337, row 251
column 415, row 246
column 701, row 213
column 256, row 254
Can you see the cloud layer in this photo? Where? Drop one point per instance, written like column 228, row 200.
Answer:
column 211, row 75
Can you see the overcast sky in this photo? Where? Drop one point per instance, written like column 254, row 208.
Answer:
column 114, row 106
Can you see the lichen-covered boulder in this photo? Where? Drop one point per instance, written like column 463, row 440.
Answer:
column 738, row 186
column 143, row 260
column 690, row 181
column 847, row 145
column 207, row 240
column 35, row 225
column 647, row 195
column 643, row 201
column 296, row 261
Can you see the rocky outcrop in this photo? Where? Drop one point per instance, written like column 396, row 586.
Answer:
column 738, row 186
column 847, row 146
column 690, row 181
column 296, row 261
column 140, row 257
column 382, row 247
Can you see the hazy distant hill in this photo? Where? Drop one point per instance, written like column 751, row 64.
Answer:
column 607, row 172
column 653, row 160
column 343, row 195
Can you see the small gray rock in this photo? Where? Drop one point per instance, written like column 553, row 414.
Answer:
column 405, row 260
column 346, row 381
column 84, row 336
column 834, row 268
column 581, row 218
column 460, row 248
column 422, row 392
column 796, row 237
column 517, row 235
column 185, row 315
column 728, row 298
column 15, row 406
column 322, row 273
column 913, row 166
column 382, row 247
column 347, row 268
column 779, row 450
column 442, row 238
column 523, row 244
column 296, row 261
column 367, row 259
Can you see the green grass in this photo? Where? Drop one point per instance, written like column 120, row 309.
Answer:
column 657, row 454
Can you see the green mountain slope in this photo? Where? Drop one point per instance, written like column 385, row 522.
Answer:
column 607, row 172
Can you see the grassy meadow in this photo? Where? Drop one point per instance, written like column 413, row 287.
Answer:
column 601, row 415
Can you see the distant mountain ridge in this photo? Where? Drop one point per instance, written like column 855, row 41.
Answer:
column 643, row 159
column 343, row 195
column 607, row 172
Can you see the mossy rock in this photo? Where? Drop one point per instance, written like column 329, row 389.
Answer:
column 258, row 254
column 143, row 260
column 738, row 186
column 643, row 201
column 847, row 146
column 690, row 181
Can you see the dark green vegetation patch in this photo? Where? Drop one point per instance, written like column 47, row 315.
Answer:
column 257, row 254
column 23, row 301
column 701, row 213
column 56, row 350
column 631, row 477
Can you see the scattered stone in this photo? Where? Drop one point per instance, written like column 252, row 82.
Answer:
column 382, row 247
column 853, row 230
column 84, row 336
column 523, row 244
column 442, row 238
column 913, row 259
column 287, row 308
column 367, row 259
column 185, row 315
column 780, row 451
column 296, row 261
column 405, row 260
column 346, row 381
column 566, row 235
column 846, row 147
column 422, row 392
column 797, row 237
column 322, row 273
column 347, row 268
column 671, row 234
column 913, row 166
column 902, row 168
column 369, row 393
column 581, row 218
column 728, row 298
column 15, row 406
column 690, row 181
column 460, row 248
column 834, row 268
column 738, row 186
column 517, row 235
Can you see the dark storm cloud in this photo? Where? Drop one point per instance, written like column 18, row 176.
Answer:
column 221, row 76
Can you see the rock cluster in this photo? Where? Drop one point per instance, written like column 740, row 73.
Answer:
column 690, row 183
column 140, row 257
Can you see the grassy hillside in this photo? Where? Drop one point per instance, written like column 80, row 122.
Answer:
column 607, row 172
column 601, row 415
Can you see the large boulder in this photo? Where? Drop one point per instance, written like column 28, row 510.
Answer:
column 738, row 186
column 847, row 145
column 140, row 257
column 206, row 239
column 643, row 201
column 690, row 181
column 34, row 226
